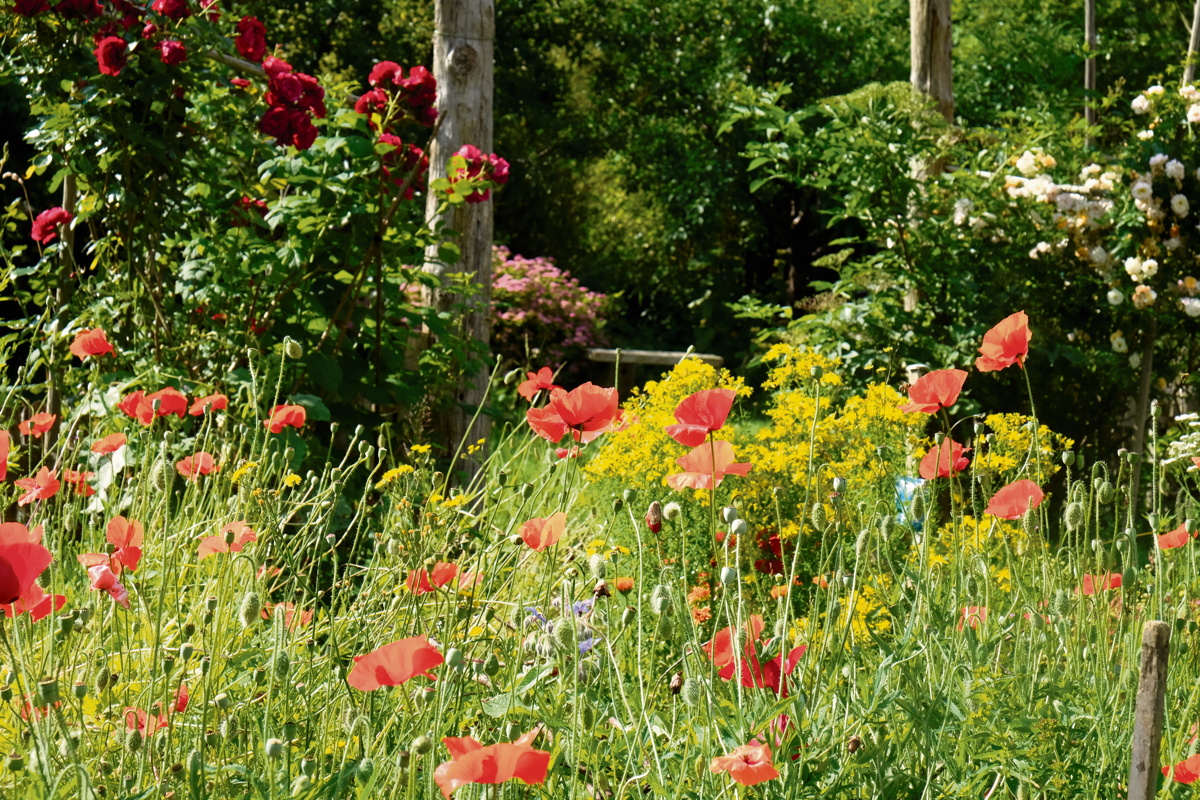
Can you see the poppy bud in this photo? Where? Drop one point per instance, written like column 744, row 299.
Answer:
column 1155, row 521
column 728, row 575
column 365, row 769
column 672, row 511
column 133, row 740
column 660, row 599
column 1060, row 604
column 839, row 485
column 1075, row 515
column 729, row 514
column 195, row 762
column 654, row 517
column 1068, row 458
column 598, row 566
column 664, row 629
column 676, row 683
column 1105, row 493
column 917, row 506
column 102, row 677
column 1129, row 577
column 511, row 376
column 628, row 616
column 564, row 634
column 248, row 611
column 887, row 526
column 282, row 665
column 491, row 665
column 454, row 657
column 273, row 748
column 421, row 745
column 162, row 475
column 817, row 372
column 229, row 729
column 693, row 692
column 292, row 348
column 820, row 517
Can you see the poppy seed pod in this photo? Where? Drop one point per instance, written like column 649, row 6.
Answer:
column 80, row 690
column 48, row 692
column 454, row 657
column 817, row 372
column 729, row 575
column 618, row 504
column 729, row 514
column 249, row 609
column 1068, row 458
column 654, row 517
column 629, row 495
column 738, row 528
column 527, row 491
column 421, row 745
column 273, row 748
column 1075, row 516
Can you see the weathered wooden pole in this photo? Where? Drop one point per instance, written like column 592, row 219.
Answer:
column 1089, row 66
column 929, row 28
column 1148, row 716
column 1189, row 69
column 463, row 64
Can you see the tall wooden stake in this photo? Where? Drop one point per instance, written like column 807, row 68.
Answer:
column 1189, row 71
column 929, row 28
column 1089, row 66
column 1148, row 716
column 463, row 64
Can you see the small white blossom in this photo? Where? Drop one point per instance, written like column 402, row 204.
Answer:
column 1140, row 104
column 1088, row 171
column 963, row 207
column 1027, row 164
column 1175, row 169
column 1119, row 345
column 1193, row 114
column 1191, row 306
column 1142, row 191
column 1189, row 93
column 1173, row 243
column 1144, row 297
column 1135, row 360
column 1149, row 268
column 1146, row 136
column 1098, row 255
column 1157, row 162
column 1133, row 266
column 1155, row 90
column 1179, row 204
column 1115, row 298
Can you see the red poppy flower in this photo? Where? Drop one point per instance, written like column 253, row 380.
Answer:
column 1186, row 771
column 973, row 616
column 472, row 762
column 36, row 602
column 291, row 620
column 935, row 390
column 1014, row 500
column 243, row 534
column 944, row 460
column 104, row 579
column 211, row 402
column 140, row 405
column 748, row 765
column 126, row 536
column 109, row 444
column 90, row 342
column 701, row 414
column 80, row 481
column 144, row 723
column 542, row 532
column 1005, row 344
column 36, row 425
column 42, row 486
column 754, row 675
column 702, row 463
column 395, row 663
column 5, row 447
column 21, row 562
column 587, row 411
column 562, row 452
column 1093, row 584
column 131, row 404
column 624, row 585
column 423, row 581
column 283, row 416
column 540, row 381
column 194, row 466
column 1176, row 538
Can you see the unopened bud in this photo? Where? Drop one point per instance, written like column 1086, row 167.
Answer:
column 820, row 517
column 693, row 692
column 1075, row 515
column 249, row 609
column 1068, row 458
column 133, row 740
column 628, row 616
column 839, row 485
column 511, row 376
column 292, row 348
column 421, row 745
column 598, row 566
column 660, row 599
column 654, row 517
column 1105, row 494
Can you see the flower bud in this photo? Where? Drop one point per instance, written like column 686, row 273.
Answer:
column 729, row 514
column 628, row 616
column 887, row 526
column 654, row 517
column 1068, row 458
column 301, row 785
column 564, row 634
column 660, row 599
column 693, row 692
column 421, row 745
column 917, row 506
column 1105, row 494
column 820, row 517
column 133, row 740
column 185, row 650
column 249, row 609
column 511, row 376
column 598, row 566
column 273, row 748
column 817, row 372
column 664, row 628
column 1075, row 516
column 102, row 677
column 839, row 485
column 309, row 767
column 292, row 348
column 282, row 666
column 454, row 657
column 364, row 770
column 195, row 762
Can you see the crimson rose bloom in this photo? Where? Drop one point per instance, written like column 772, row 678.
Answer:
column 251, row 39
column 29, row 8
column 172, row 9
column 45, row 226
column 172, row 52
column 111, row 55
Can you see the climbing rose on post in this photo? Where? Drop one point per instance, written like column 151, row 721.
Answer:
column 45, row 225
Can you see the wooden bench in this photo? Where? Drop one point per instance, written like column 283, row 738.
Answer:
column 626, row 362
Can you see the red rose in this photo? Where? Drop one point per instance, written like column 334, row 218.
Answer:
column 274, row 66
column 251, row 39
column 241, row 83
column 210, row 6
column 283, row 88
column 313, row 98
column 386, row 72
column 149, row 30
column 172, row 9
column 111, row 55
column 172, row 52
column 277, row 123
column 374, row 100
column 30, row 8
column 305, row 133
column 45, row 227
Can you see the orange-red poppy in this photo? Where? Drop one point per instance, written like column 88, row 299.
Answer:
column 1186, row 771
column 748, row 765
column 284, row 416
column 109, row 444
column 944, row 460
column 1005, row 344
column 973, row 616
column 79, row 479
column 140, row 406
column 243, row 534
column 5, row 447
column 1093, row 584
column 1176, row 538
column 422, row 581
column 472, row 762
column 42, row 486
column 587, row 411
column 210, row 402
column 700, row 414
column 104, row 579
column 90, row 342
column 540, row 381
column 542, row 532
column 291, row 620
column 754, row 675
column 562, row 452
column 395, row 663
column 624, row 585
column 935, row 390
column 36, row 425
column 1014, row 500
column 703, row 463
column 18, row 563
column 200, row 463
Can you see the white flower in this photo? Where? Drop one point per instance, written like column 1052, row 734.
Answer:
column 1041, row 247
column 1115, row 298
column 1140, row 104
column 1155, row 89
column 1157, row 161
column 1173, row 243
column 1146, row 136
column 1142, row 191
column 1089, row 170
column 1179, row 204
column 1047, row 161
column 1144, row 297
column 1191, row 306
column 1175, row 168
column 1098, row 255
column 963, row 207
column 1150, row 269
column 1193, row 114
column 1027, row 164
column 1119, row 345
column 1189, row 93
column 1133, row 266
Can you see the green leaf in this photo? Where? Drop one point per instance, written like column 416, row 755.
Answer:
column 314, row 406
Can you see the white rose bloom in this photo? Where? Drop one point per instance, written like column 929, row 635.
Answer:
column 1135, row 360
column 1119, row 345
column 1173, row 243
column 1027, row 163
column 1175, row 168
column 1115, row 298
column 1157, row 161
column 1098, row 255
column 1140, row 104
column 1191, row 306
column 1150, row 268
column 1155, row 89
column 963, row 207
column 1142, row 191
column 1179, row 204
column 1146, row 136
column 1193, row 114
column 1189, row 92
column 1090, row 169
column 1133, row 267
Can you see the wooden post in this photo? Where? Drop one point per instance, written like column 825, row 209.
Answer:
column 929, row 29
column 1089, row 66
column 1189, row 70
column 1148, row 717
column 463, row 64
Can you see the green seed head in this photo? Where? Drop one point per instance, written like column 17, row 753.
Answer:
column 249, row 609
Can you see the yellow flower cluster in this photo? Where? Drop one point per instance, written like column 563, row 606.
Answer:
column 1009, row 455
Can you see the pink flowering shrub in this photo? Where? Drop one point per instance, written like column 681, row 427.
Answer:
column 537, row 305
